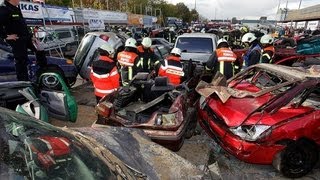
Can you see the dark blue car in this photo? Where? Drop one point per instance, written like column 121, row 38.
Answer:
column 62, row 66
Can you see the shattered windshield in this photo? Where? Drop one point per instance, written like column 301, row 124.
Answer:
column 34, row 150
column 257, row 80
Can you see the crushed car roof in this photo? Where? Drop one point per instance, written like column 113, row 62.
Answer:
column 298, row 73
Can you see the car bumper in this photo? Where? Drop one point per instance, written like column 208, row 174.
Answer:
column 250, row 152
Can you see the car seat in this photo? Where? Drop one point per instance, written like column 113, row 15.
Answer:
column 161, row 86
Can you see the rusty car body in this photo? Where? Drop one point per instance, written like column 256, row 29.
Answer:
column 266, row 114
column 164, row 112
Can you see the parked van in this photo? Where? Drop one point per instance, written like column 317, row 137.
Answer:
column 64, row 38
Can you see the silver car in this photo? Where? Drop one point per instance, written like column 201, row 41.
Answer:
column 87, row 50
column 196, row 46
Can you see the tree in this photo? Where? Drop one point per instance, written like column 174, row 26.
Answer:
column 183, row 12
column 194, row 15
column 234, row 20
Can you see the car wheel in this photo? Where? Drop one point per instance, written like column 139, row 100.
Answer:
column 297, row 159
column 53, row 69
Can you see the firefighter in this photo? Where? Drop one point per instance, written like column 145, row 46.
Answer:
column 222, row 60
column 147, row 59
column 104, row 73
column 14, row 31
column 127, row 60
column 268, row 50
column 252, row 56
column 172, row 68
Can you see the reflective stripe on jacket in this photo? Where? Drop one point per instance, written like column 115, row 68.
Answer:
column 225, row 58
column 265, row 57
column 107, row 82
column 126, row 58
column 172, row 68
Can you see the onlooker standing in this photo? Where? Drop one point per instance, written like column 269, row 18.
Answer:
column 14, row 30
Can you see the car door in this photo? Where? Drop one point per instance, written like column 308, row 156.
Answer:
column 7, row 68
column 56, row 97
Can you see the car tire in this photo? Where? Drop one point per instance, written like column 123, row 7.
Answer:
column 297, row 159
column 53, row 69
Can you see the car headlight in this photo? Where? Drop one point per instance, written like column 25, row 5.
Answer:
column 250, row 132
column 166, row 119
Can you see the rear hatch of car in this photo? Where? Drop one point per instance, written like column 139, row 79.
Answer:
column 195, row 48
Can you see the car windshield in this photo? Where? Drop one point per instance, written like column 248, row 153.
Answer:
column 195, row 45
column 34, row 150
column 257, row 80
column 83, row 49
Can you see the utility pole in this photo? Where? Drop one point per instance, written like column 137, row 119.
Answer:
column 215, row 13
column 279, row 5
column 300, row 4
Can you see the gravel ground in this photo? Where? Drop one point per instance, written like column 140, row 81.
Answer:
column 200, row 150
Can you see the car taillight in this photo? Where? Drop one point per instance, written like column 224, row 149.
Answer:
column 104, row 109
column 104, row 37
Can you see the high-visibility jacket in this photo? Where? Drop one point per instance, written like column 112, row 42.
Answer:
column 172, row 68
column 147, row 59
column 225, row 59
column 267, row 54
column 127, row 62
column 105, row 77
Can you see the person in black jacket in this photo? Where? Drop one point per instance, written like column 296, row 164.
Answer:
column 14, row 31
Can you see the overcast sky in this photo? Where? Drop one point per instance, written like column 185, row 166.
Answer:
column 242, row 9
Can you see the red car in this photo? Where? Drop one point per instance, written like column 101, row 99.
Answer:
column 164, row 112
column 266, row 114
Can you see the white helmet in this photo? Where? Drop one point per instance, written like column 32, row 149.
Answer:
column 146, row 42
column 266, row 39
column 176, row 51
column 248, row 37
column 222, row 40
column 131, row 43
column 107, row 48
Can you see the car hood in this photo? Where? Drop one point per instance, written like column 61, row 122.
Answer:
column 237, row 111
column 137, row 151
column 201, row 57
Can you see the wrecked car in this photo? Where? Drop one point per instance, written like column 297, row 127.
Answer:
column 266, row 114
column 32, row 149
column 64, row 67
column 165, row 113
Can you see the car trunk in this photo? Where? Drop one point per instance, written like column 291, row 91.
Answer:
column 142, row 112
